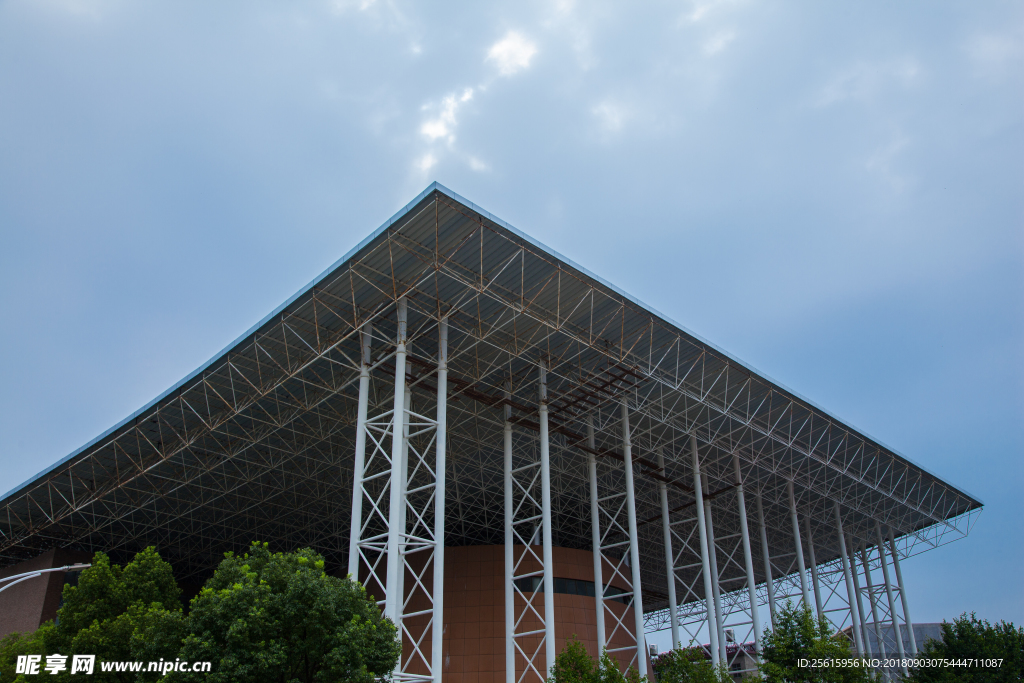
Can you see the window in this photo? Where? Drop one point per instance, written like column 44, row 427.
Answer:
column 535, row 584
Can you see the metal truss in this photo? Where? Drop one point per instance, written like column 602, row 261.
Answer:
column 263, row 442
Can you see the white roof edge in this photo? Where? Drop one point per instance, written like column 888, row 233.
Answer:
column 522, row 235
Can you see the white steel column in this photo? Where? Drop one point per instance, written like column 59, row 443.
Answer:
column 903, row 594
column 510, row 647
column 437, row 619
column 716, row 590
column 814, row 567
column 850, row 594
column 595, row 537
column 798, row 546
column 666, row 532
column 892, row 603
column 709, row 596
column 634, row 550
column 769, row 582
column 871, row 600
column 392, row 599
column 748, row 560
column 545, row 487
column 365, row 339
column 852, row 549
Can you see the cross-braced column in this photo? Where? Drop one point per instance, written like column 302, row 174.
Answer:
column 798, row 546
column 359, row 463
column 748, row 560
column 634, row 550
column 405, row 466
column 814, row 568
column 670, row 574
column 903, row 594
column 595, row 536
column 545, row 487
column 852, row 550
column 709, row 595
column 872, row 601
column 892, row 603
column 619, row 578
column 769, row 581
column 530, row 622
column 850, row 592
column 716, row 590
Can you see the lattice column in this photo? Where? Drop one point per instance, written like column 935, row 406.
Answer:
column 401, row 545
column 595, row 535
column 529, row 610
column 848, row 576
column 666, row 532
column 634, row 550
column 709, row 596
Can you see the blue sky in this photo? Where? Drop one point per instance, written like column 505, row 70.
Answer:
column 831, row 192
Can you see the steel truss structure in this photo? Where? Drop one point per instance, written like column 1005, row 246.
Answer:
column 468, row 386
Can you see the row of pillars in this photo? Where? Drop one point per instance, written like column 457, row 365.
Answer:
column 397, row 543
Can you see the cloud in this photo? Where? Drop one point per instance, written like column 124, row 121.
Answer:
column 610, row 116
column 718, row 42
column 882, row 162
column 478, row 165
column 995, row 55
column 443, row 126
column 512, row 53
column 862, row 81
column 426, row 162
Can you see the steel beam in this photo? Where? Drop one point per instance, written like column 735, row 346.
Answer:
column 797, row 545
column 851, row 593
column 634, row 549
column 896, row 634
column 666, row 533
column 359, row 463
column 769, row 582
column 748, row 560
column 903, row 595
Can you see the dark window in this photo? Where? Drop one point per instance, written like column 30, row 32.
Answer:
column 535, row 584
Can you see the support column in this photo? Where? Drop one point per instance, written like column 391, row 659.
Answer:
column 359, row 465
column 510, row 648
column 595, row 537
column 814, row 568
column 716, row 589
column 670, row 571
column 871, row 601
column 709, row 598
column 851, row 596
column 545, row 487
column 634, row 550
column 769, row 581
column 908, row 622
column 852, row 549
column 888, row 592
column 440, row 449
column 798, row 546
column 392, row 599
column 748, row 560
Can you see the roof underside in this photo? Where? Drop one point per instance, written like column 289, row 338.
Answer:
column 259, row 443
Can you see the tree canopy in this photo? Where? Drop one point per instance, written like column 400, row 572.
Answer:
column 574, row 665
column 799, row 636
column 689, row 665
column 969, row 639
column 261, row 617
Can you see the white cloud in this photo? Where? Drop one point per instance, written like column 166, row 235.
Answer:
column 478, row 165
column 426, row 162
column 610, row 116
column 995, row 55
column 882, row 162
column 862, row 81
column 512, row 53
column 718, row 42
column 443, row 126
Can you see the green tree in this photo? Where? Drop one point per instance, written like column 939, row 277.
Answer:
column 970, row 638
column 279, row 617
column 106, row 615
column 796, row 636
column 689, row 665
column 16, row 644
column 574, row 665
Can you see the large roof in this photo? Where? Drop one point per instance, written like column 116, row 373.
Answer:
column 258, row 442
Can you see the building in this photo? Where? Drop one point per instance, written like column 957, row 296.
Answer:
column 555, row 433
